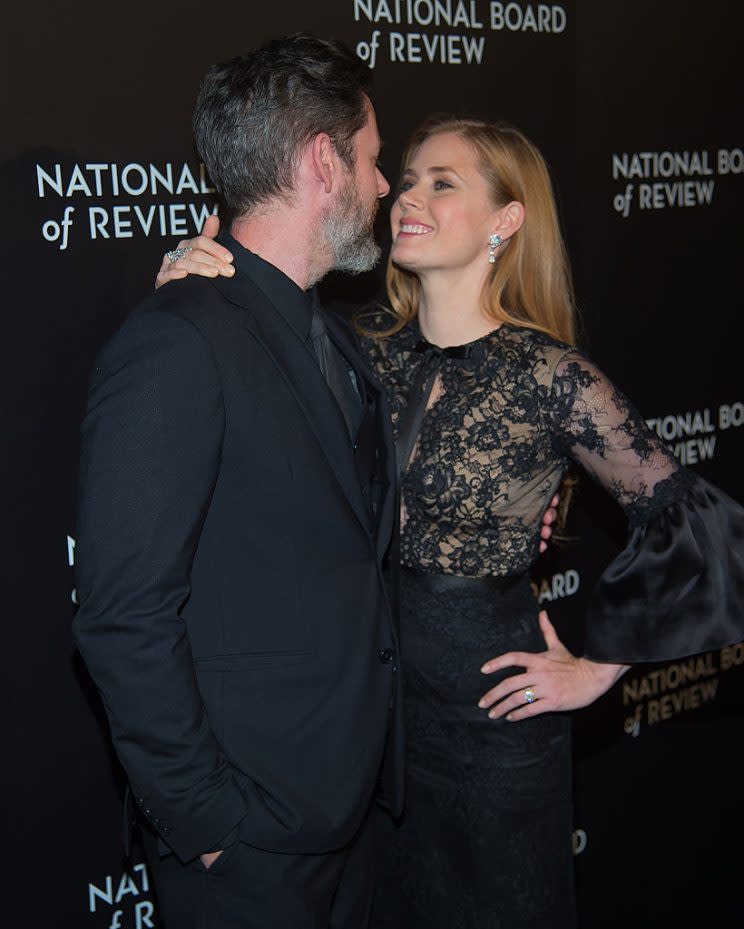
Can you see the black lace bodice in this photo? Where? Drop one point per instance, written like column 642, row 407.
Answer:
column 500, row 431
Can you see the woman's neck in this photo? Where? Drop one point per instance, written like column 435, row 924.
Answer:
column 450, row 309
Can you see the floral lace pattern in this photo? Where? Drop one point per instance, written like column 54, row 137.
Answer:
column 496, row 440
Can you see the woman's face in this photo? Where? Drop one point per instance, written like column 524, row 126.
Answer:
column 443, row 214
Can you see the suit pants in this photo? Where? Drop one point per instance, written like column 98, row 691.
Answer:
column 249, row 888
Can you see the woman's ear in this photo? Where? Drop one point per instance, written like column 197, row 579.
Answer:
column 508, row 220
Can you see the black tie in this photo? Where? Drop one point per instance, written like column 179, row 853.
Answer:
column 336, row 372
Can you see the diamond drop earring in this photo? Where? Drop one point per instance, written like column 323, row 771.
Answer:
column 493, row 243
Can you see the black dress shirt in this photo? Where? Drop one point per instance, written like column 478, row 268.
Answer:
column 307, row 318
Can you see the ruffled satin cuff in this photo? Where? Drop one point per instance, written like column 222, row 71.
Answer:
column 677, row 589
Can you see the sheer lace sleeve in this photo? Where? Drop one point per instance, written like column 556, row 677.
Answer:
column 678, row 587
column 596, row 426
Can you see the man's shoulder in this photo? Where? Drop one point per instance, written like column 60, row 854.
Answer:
column 188, row 318
column 190, row 308
column 194, row 299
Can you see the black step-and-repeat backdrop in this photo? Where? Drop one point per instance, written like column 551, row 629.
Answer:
column 637, row 107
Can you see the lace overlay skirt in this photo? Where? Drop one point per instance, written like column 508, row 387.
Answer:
column 485, row 841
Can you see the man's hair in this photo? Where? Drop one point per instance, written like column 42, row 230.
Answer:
column 254, row 115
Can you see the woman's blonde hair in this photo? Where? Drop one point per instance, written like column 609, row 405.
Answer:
column 530, row 282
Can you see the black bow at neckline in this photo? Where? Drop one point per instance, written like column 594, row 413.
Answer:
column 459, row 352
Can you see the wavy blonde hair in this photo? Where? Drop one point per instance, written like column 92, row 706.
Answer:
column 530, row 283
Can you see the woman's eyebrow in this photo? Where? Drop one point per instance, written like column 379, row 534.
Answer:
column 444, row 169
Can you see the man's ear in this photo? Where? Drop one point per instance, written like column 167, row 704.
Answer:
column 323, row 160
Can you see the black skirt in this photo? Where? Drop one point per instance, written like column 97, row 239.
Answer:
column 485, row 840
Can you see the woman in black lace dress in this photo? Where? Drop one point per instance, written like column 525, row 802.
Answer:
column 490, row 403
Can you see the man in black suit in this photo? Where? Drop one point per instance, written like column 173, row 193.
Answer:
column 236, row 501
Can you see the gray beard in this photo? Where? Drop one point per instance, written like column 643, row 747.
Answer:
column 350, row 236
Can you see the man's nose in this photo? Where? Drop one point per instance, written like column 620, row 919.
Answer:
column 383, row 188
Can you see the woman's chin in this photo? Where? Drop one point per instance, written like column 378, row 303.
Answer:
column 404, row 259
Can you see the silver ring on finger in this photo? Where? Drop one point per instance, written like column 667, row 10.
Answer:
column 177, row 253
column 529, row 695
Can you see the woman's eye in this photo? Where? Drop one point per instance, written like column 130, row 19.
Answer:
column 442, row 185
column 404, row 186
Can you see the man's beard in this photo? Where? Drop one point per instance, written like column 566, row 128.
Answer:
column 349, row 233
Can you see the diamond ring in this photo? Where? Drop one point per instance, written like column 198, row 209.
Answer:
column 529, row 695
column 177, row 253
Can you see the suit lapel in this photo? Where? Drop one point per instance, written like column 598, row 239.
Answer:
column 292, row 356
column 387, row 454
column 383, row 429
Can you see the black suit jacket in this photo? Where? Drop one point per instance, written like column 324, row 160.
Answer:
column 232, row 607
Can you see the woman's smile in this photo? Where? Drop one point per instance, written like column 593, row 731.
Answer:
column 409, row 228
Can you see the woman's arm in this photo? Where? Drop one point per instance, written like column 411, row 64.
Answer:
column 677, row 588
